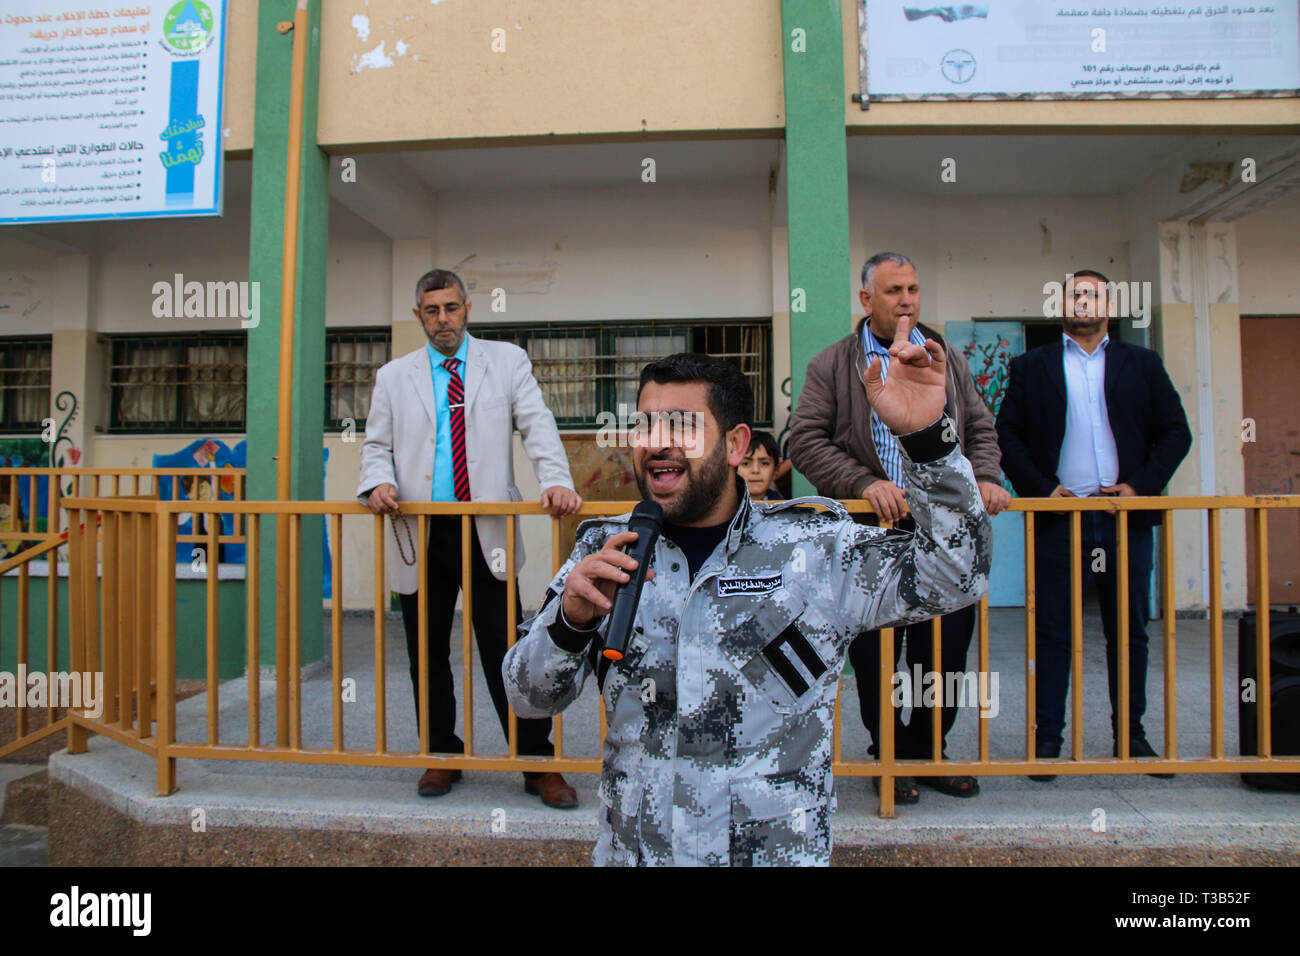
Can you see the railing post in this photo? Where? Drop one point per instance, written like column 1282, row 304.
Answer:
column 1216, row 635
column 1031, row 615
column 336, row 627
column 422, row 619
column 467, row 547
column 884, row 676
column 1171, row 650
column 1263, row 656
column 252, row 621
column 1123, row 672
column 1076, row 635
column 165, row 649
column 212, row 619
column 78, row 592
column 381, row 634
column 295, row 631
column 512, row 729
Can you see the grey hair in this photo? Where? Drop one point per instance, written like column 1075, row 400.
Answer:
column 436, row 279
column 869, row 270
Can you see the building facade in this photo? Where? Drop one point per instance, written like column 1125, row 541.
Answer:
column 620, row 180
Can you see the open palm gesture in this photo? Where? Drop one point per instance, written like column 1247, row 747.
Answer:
column 913, row 394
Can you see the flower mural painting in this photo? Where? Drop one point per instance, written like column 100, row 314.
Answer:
column 990, row 365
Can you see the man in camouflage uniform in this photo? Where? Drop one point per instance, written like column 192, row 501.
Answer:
column 720, row 713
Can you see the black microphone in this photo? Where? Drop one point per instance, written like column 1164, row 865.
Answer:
column 647, row 518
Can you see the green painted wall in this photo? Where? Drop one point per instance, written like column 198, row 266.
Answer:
column 274, row 58
column 817, row 183
column 191, row 628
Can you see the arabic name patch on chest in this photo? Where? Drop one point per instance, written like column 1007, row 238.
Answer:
column 758, row 584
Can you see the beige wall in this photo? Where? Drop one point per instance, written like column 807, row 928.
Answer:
column 1268, row 253
column 569, row 67
column 27, row 288
column 407, row 71
column 241, row 75
column 983, row 256
column 652, row 250
column 128, row 257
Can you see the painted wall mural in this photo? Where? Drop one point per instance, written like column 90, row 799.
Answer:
column 216, row 454
column 52, row 450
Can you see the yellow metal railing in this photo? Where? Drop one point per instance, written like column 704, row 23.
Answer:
column 120, row 547
column 132, row 616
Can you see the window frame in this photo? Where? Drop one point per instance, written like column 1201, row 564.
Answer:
column 332, row 334
column 16, row 428
column 178, row 342
column 606, row 334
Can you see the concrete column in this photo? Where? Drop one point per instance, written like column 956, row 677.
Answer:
column 76, row 372
column 1199, row 336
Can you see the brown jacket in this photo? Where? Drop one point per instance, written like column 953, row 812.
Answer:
column 830, row 438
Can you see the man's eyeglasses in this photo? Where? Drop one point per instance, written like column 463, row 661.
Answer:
column 452, row 309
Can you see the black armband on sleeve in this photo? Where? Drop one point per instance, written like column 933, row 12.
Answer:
column 930, row 443
column 569, row 638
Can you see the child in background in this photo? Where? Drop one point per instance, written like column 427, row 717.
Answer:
column 759, row 467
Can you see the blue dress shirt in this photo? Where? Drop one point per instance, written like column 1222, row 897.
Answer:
column 444, row 483
column 1088, row 456
column 886, row 444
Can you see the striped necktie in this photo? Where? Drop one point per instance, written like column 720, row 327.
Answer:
column 456, row 402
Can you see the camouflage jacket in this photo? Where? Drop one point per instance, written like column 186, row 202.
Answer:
column 720, row 713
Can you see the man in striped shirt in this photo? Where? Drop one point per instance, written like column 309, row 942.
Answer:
column 839, row 443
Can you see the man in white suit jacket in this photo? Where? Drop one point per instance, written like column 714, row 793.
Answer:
column 409, row 452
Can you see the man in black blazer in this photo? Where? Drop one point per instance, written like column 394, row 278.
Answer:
column 1090, row 416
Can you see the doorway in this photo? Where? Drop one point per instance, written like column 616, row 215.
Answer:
column 1270, row 402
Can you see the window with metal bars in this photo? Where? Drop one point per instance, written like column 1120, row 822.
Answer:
column 585, row 368
column 24, row 382
column 352, row 357
column 193, row 382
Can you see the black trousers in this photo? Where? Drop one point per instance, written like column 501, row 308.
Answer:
column 489, row 616
column 1052, row 626
column 913, row 740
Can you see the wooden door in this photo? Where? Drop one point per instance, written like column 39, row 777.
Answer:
column 1270, row 356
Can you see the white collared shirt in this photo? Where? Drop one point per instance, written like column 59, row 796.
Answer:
column 1088, row 459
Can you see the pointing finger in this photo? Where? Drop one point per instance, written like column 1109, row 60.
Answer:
column 902, row 331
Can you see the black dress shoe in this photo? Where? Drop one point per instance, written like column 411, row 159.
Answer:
column 1045, row 750
column 1140, row 747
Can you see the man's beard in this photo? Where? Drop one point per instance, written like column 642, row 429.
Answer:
column 705, row 480
column 1081, row 325
column 433, row 340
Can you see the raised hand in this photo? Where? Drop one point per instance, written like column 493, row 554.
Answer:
column 913, row 395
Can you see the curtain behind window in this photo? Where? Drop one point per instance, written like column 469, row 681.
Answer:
column 566, row 369
column 146, row 379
